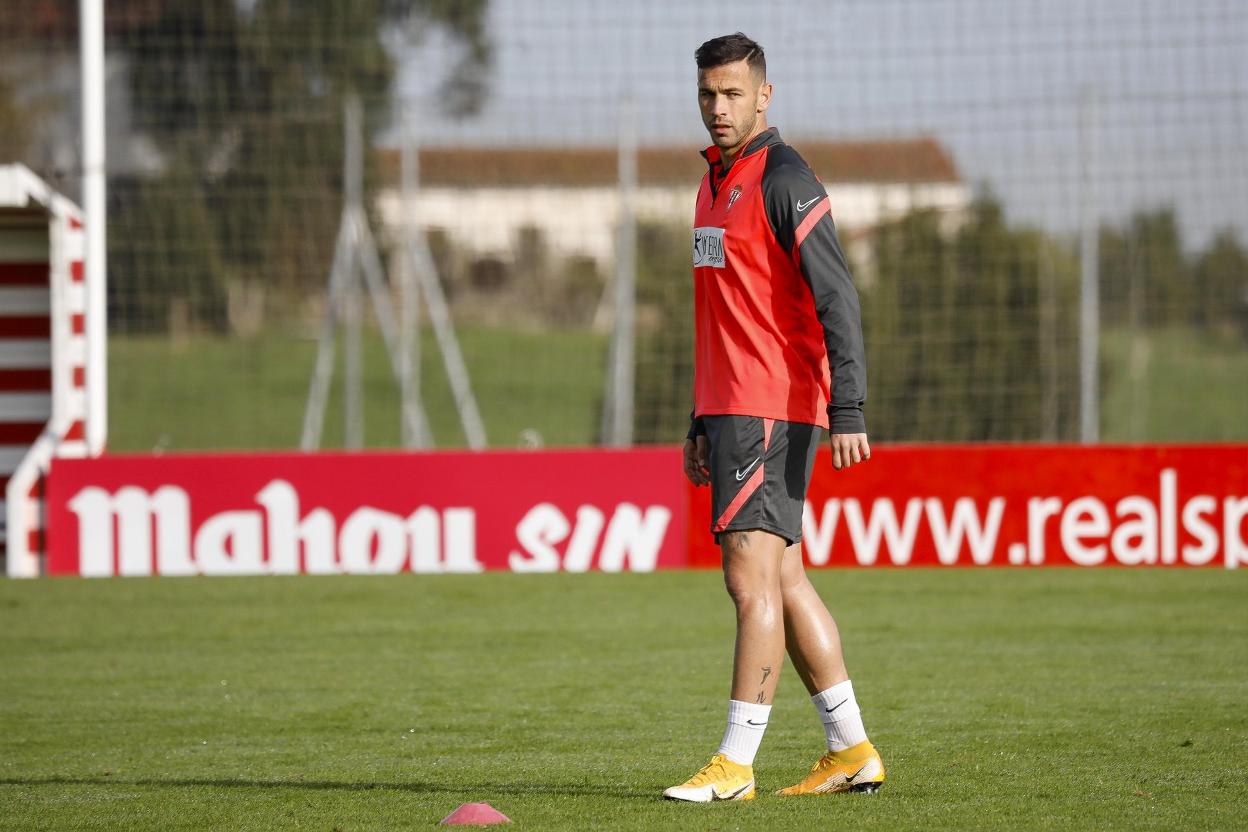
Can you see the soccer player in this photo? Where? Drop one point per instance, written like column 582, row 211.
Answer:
column 778, row 358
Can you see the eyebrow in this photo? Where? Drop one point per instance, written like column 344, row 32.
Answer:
column 703, row 88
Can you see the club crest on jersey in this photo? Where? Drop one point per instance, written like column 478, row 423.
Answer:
column 732, row 197
column 708, row 247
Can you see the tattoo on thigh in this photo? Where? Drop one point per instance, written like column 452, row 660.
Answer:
column 734, row 540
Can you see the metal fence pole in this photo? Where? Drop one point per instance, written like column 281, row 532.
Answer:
column 409, row 309
column 94, row 186
column 1089, row 306
column 353, row 379
column 619, row 432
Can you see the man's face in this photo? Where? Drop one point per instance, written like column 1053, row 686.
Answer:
column 732, row 98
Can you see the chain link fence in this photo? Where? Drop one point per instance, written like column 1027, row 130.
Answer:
column 981, row 159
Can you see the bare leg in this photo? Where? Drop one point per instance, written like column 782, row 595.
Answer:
column 813, row 642
column 851, row 762
column 752, row 562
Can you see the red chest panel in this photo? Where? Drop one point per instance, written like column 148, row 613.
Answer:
column 759, row 346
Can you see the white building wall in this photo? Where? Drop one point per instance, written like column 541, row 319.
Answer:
column 582, row 221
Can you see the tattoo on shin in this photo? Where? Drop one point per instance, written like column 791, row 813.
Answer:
column 766, row 673
column 759, row 700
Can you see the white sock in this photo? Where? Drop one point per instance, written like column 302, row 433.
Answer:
column 842, row 720
column 746, row 723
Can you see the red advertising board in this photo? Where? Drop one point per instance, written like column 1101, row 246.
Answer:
column 538, row 511
column 248, row 514
column 1022, row 505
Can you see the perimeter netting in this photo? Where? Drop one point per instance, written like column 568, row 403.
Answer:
column 975, row 152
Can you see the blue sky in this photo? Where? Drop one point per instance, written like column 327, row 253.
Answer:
column 997, row 81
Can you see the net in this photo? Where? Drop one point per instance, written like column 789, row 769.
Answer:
column 982, row 159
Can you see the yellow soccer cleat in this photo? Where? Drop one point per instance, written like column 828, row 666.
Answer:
column 857, row 769
column 720, row 779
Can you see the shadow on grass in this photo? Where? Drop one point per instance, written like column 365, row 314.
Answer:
column 416, row 786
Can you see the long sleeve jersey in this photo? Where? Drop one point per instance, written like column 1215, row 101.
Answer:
column 778, row 325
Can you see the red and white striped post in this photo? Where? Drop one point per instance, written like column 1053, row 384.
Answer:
column 45, row 319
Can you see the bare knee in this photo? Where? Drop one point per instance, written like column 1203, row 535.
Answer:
column 751, row 575
column 751, row 594
column 793, row 580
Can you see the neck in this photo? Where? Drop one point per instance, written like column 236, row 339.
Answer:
column 730, row 156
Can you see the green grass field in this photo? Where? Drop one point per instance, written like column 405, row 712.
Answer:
column 1000, row 699
column 1171, row 385
column 208, row 392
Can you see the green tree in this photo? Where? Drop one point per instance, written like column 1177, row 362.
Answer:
column 14, row 123
column 1220, row 275
column 663, row 382
column 967, row 330
column 165, row 223
column 23, row 107
column 907, row 322
column 245, row 103
column 1144, row 275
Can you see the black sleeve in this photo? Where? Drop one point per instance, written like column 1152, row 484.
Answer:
column 696, row 428
column 792, row 193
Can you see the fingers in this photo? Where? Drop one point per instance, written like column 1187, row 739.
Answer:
column 702, row 458
column 691, row 471
column 695, row 462
column 849, row 450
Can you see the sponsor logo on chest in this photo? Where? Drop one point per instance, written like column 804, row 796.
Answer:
column 708, row 247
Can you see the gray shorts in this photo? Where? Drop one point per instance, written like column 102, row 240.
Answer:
column 760, row 470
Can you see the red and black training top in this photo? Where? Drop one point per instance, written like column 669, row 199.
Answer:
column 778, row 326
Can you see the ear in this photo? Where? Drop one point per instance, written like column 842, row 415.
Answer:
column 764, row 97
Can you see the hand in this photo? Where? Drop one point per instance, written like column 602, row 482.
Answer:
column 849, row 449
column 696, row 469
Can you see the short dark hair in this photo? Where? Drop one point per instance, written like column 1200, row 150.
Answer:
column 728, row 49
